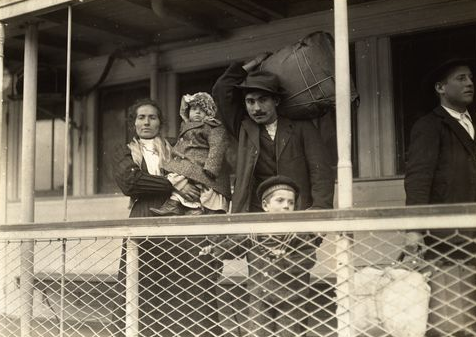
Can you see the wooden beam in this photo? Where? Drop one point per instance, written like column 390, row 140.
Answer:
column 18, row 29
column 17, row 9
column 171, row 12
column 231, row 8
column 455, row 216
column 167, row 10
column 82, row 18
column 14, row 53
column 276, row 9
column 59, row 42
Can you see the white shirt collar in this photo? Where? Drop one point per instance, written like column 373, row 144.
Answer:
column 271, row 128
column 456, row 114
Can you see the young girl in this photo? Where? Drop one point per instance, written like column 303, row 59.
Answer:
column 198, row 158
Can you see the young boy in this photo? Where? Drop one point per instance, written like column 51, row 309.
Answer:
column 278, row 267
column 198, row 158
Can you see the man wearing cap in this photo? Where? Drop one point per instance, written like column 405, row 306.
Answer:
column 269, row 144
column 441, row 166
column 278, row 267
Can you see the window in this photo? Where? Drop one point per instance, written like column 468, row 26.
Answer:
column 112, row 127
column 49, row 160
column 203, row 80
column 413, row 57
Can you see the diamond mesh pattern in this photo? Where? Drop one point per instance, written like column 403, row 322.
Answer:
column 279, row 284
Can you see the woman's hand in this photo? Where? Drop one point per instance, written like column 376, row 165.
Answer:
column 190, row 192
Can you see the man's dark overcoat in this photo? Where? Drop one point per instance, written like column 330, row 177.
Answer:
column 441, row 169
column 300, row 154
column 441, row 165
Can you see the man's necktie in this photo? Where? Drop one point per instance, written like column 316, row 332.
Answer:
column 467, row 124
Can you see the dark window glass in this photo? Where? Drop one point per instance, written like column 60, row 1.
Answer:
column 202, row 80
column 413, row 57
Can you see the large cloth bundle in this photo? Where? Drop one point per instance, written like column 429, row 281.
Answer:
column 392, row 298
column 306, row 71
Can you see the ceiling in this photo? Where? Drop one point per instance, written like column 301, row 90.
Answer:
column 102, row 27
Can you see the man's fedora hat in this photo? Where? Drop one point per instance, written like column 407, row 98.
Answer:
column 261, row 80
column 441, row 70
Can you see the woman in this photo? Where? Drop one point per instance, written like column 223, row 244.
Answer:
column 176, row 285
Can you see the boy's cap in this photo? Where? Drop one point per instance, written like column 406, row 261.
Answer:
column 275, row 183
column 261, row 80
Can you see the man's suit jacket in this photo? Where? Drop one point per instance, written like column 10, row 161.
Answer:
column 300, row 152
column 300, row 155
column 441, row 165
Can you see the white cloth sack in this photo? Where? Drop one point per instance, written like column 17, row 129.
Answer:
column 396, row 300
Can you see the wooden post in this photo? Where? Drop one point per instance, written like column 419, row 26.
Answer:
column 66, row 120
column 3, row 138
column 3, row 180
column 344, row 166
column 28, row 175
column 344, row 270
column 63, row 287
column 154, row 73
column 132, row 288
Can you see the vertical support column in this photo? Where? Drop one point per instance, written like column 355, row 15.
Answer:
column 63, row 287
column 3, row 182
column 368, row 116
column 3, row 138
column 388, row 155
column 168, row 102
column 90, row 141
column 172, row 105
column 77, row 144
column 377, row 157
column 14, row 134
column 28, row 175
column 344, row 137
column 84, row 145
column 132, row 288
column 66, row 120
column 154, row 76
column 344, row 165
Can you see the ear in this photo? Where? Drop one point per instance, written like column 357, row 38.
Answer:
column 440, row 87
column 264, row 205
column 277, row 100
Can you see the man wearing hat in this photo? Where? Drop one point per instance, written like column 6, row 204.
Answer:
column 441, row 166
column 268, row 144
column 441, row 169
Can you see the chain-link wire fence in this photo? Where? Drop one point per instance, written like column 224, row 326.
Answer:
column 378, row 283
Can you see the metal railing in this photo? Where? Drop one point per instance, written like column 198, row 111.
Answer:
column 247, row 275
